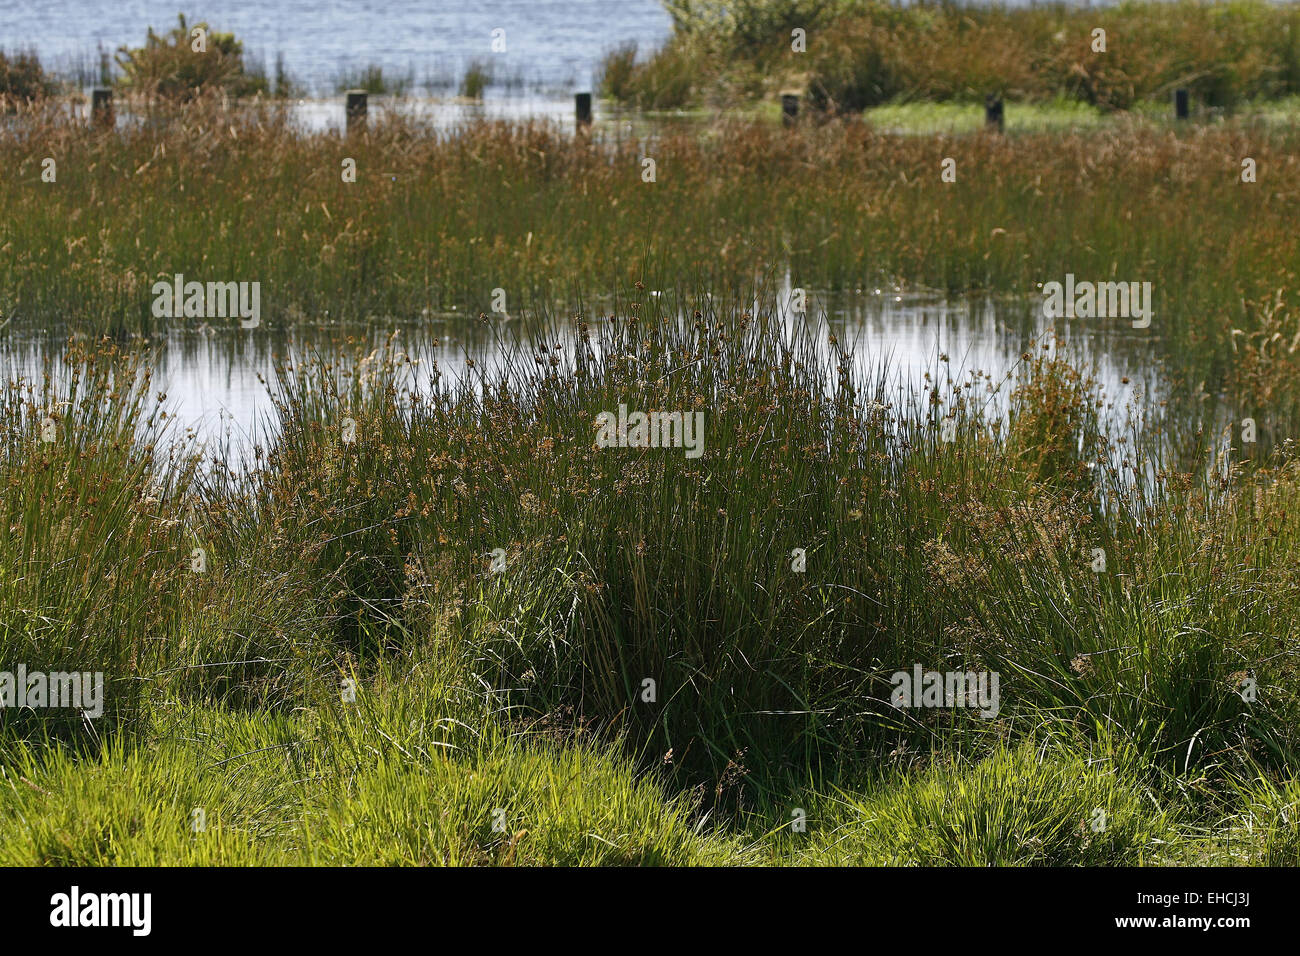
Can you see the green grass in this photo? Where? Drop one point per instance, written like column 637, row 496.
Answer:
column 393, row 781
column 1058, row 115
column 400, row 777
column 1017, row 806
column 925, row 118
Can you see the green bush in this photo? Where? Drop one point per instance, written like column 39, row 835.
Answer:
column 477, row 76
column 863, row 69
column 22, row 79
column 169, row 67
column 616, row 73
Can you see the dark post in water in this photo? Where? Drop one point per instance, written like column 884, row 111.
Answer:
column 582, row 107
column 356, row 109
column 101, row 107
column 993, row 117
column 789, row 108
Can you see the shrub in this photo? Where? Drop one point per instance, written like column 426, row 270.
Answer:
column 168, row 66
column 22, row 79
column 477, row 76
column 863, row 68
column 617, row 71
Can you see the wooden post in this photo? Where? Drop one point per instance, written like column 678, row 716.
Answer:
column 993, row 114
column 356, row 110
column 789, row 108
column 1180, row 104
column 101, row 107
column 582, row 110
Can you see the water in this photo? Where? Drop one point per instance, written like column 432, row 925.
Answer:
column 435, row 114
column 215, row 378
column 551, row 45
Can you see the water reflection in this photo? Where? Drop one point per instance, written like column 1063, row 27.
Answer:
column 215, row 378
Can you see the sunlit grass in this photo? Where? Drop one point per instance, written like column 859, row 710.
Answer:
column 928, row 118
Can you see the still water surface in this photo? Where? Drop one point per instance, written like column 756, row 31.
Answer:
column 215, row 378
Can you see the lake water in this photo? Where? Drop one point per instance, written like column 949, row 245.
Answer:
column 550, row 45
